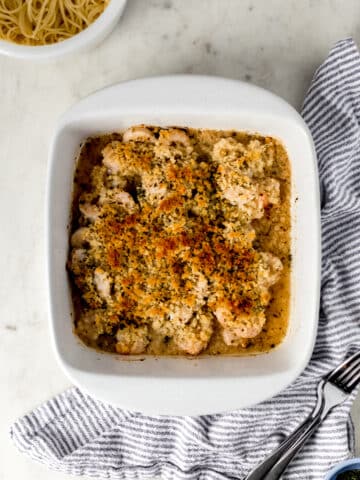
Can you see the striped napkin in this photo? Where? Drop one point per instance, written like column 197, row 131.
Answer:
column 76, row 434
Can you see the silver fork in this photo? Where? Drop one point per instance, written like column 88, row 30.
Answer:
column 332, row 390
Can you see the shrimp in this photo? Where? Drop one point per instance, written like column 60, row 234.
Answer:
column 191, row 331
column 126, row 201
column 174, row 135
column 232, row 154
column 245, row 235
column 155, row 189
column 111, row 157
column 115, row 159
column 229, row 152
column 193, row 336
column 182, row 310
column 132, row 340
column 102, row 281
column 127, row 161
column 81, row 237
column 77, row 259
column 249, row 328
column 238, row 325
column 173, row 145
column 250, row 196
column 240, row 191
column 138, row 133
column 235, row 329
column 119, row 197
column 200, row 287
column 269, row 191
column 89, row 211
column 88, row 325
column 270, row 268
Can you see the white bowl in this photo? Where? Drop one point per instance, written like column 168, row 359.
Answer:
column 88, row 38
column 182, row 386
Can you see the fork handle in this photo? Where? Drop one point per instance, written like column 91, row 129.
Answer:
column 261, row 471
column 275, row 464
column 278, row 469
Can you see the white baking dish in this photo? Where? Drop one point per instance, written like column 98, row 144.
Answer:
column 184, row 386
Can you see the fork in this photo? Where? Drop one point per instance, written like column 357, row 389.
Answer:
column 332, row 390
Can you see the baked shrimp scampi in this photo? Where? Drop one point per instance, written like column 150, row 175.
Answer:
column 180, row 242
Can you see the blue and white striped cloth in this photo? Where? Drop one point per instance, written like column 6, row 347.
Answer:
column 75, row 434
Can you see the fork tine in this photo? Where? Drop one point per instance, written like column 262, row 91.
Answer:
column 332, row 376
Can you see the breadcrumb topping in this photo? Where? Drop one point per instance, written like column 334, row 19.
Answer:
column 164, row 250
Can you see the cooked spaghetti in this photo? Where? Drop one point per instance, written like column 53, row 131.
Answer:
column 43, row 22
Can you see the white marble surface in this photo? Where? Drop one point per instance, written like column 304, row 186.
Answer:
column 274, row 43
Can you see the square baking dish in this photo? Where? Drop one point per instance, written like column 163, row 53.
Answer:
column 183, row 386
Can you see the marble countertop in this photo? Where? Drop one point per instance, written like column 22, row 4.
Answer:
column 271, row 43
